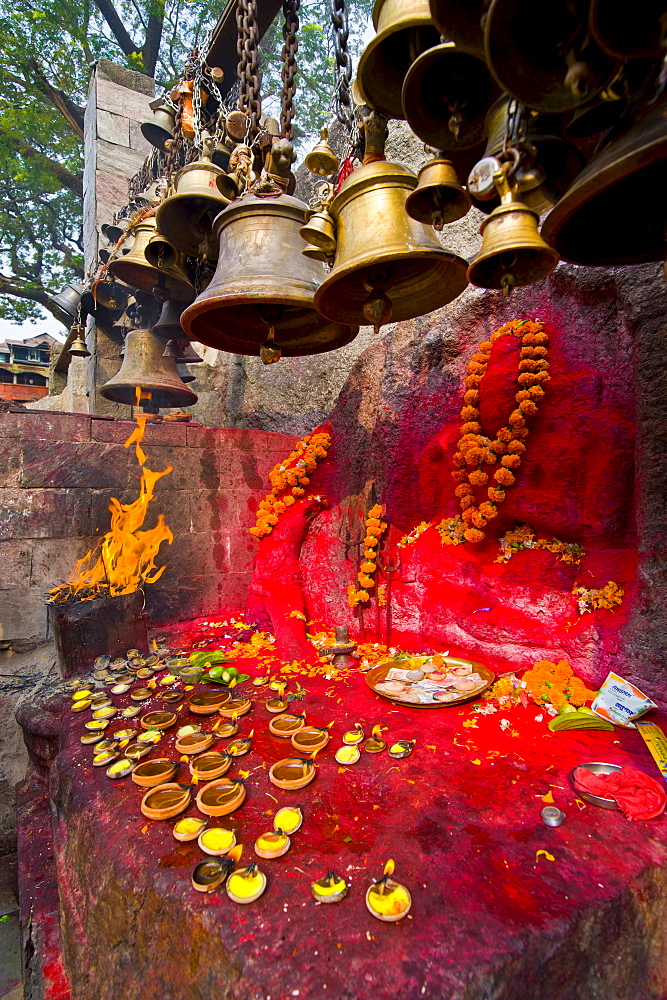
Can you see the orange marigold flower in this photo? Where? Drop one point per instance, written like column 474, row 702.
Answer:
column 478, row 519
column 527, row 378
column 458, row 459
column 528, row 338
column 365, row 581
column 485, row 347
column 370, row 553
column 297, row 491
column 473, row 535
column 368, row 567
column 516, row 448
column 372, row 523
column 471, row 428
column 496, row 495
column 467, row 515
column 504, row 434
column 375, row 511
column 503, row 476
column 523, row 394
column 527, row 352
column 541, row 338
column 490, row 457
column 520, row 433
column 470, row 413
column 481, row 359
column 471, row 396
column 489, row 510
column 371, row 541
column 288, row 501
column 464, row 490
column 478, row 478
column 458, row 475
column 542, row 376
column 475, row 369
column 516, row 419
column 528, row 365
column 510, row 461
column 498, row 446
column 536, row 392
column 528, row 407
column 557, row 698
column 472, row 381
column 466, row 502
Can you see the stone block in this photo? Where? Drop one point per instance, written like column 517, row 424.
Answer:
column 111, row 192
column 43, row 513
column 45, row 426
column 22, row 616
column 169, row 434
column 209, row 510
column 203, row 437
column 66, row 464
column 15, row 559
column 111, row 430
column 10, row 463
column 175, row 507
column 128, row 79
column 123, row 101
column 54, row 559
column 188, row 467
column 137, row 140
column 113, row 128
column 125, row 162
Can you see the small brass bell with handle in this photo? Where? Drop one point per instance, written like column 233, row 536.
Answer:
column 321, row 159
column 78, row 348
column 513, row 252
column 439, row 198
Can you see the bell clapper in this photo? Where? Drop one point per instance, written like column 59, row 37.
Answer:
column 376, row 306
column 269, row 351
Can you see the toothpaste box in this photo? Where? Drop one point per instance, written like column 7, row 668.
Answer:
column 620, row 702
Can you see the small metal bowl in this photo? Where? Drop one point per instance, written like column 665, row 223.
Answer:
column 597, row 767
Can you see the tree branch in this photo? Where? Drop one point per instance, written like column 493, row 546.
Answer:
column 13, row 287
column 65, row 177
column 108, row 12
column 70, row 111
column 151, row 47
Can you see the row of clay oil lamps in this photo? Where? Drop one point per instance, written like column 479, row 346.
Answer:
column 387, row 900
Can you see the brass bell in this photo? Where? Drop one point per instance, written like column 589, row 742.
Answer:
column 545, row 56
column 201, row 190
column 161, row 127
column 404, row 30
column 169, row 326
column 438, row 198
column 320, row 231
column 614, row 212
column 629, row 33
column 183, row 372
column 167, row 269
column 108, row 294
column 317, row 253
column 263, row 281
column 144, row 367
column 322, row 160
column 78, row 348
column 513, row 252
column 388, row 265
column 446, row 93
column 69, row 299
column 460, row 21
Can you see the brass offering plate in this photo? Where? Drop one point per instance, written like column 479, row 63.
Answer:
column 449, row 678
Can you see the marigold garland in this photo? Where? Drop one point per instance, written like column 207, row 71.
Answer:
column 606, row 597
column 477, row 450
column 288, row 480
column 523, row 537
column 555, row 684
column 375, row 528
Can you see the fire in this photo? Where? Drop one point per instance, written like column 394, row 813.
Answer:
column 235, row 853
column 124, row 557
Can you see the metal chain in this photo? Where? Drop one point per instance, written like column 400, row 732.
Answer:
column 247, row 48
column 289, row 69
column 343, row 65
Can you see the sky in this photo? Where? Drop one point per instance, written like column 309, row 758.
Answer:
column 24, row 331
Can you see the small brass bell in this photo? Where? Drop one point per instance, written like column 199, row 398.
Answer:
column 183, row 372
column 404, row 30
column 108, row 294
column 78, row 347
column 322, row 160
column 438, row 198
column 69, row 299
column 161, row 127
column 144, row 367
column 317, row 253
column 460, row 21
column 320, row 231
column 201, row 191
column 166, row 270
column 553, row 69
column 446, row 93
column 262, row 280
column 169, row 326
column 513, row 252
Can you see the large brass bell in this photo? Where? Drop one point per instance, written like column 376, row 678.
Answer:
column 438, row 198
column 460, row 21
column 616, row 212
column 513, row 252
column 404, row 30
column 629, row 33
column 185, row 218
column 144, row 367
column 108, row 294
column 446, row 93
column 167, row 269
column 161, row 127
column 263, row 287
column 388, row 265
column 543, row 53
column 321, row 159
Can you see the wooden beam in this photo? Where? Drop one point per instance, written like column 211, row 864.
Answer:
column 222, row 50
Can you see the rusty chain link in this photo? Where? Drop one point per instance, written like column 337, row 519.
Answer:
column 289, row 68
column 247, row 49
column 343, row 65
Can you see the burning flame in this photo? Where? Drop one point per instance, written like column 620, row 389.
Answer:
column 124, row 557
column 235, row 853
column 389, row 868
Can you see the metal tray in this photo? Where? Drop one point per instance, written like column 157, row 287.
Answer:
column 377, row 674
column 596, row 767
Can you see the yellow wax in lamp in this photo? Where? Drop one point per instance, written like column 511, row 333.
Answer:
column 81, row 695
column 271, row 841
column 354, row 736
column 97, row 724
column 390, row 902
column 329, row 889
column 119, row 767
column 150, row 736
column 246, row 884
column 187, row 731
column 167, row 679
column 104, row 713
column 217, row 839
column 347, row 755
column 189, row 826
column 104, row 757
column 288, row 819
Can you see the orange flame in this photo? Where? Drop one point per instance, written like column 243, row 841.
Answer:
column 389, row 867
column 124, row 557
column 235, row 853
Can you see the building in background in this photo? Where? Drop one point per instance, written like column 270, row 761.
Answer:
column 24, row 368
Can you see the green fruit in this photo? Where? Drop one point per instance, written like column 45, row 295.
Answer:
column 232, row 671
column 566, row 709
column 215, row 673
column 588, row 711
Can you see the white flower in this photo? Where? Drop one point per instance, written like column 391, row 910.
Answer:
column 539, row 718
column 505, row 723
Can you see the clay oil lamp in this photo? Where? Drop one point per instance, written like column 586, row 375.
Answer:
column 117, row 663
column 310, row 738
column 347, row 755
column 188, row 730
column 120, row 688
column 168, row 679
column 207, row 702
column 154, row 772
column 102, row 662
column 245, row 885
column 99, row 701
column 194, row 743
column 125, row 734
column 130, row 712
column 260, row 681
column 210, row 874
column 144, row 673
column 221, row 797
column 80, row 706
column 96, row 724
column 105, row 745
column 330, row 889
column 105, row 757
column 150, row 737
column 235, row 707
column 208, row 766
column 121, row 679
column 141, row 694
column 165, row 801
column 285, row 726
column 227, row 729
column 272, row 844
column 353, row 736
column 279, row 704
column 132, row 653
column 190, row 674
column 401, row 749
column 120, row 768
column 153, row 660
column 288, row 819
column 170, row 697
column 135, row 751
column 89, row 738
column 158, row 720
column 107, row 712
column 83, row 694
column 292, row 773
column 237, row 748
column 216, row 841
column 375, row 743
column 189, row 828
column 387, row 900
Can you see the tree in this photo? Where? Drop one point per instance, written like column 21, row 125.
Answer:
column 46, row 51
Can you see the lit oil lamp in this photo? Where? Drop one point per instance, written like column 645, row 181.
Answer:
column 96, row 724
column 171, row 697
column 403, row 748
column 292, row 773
column 375, row 743
column 194, row 743
column 120, row 768
column 387, row 900
column 135, row 751
column 279, row 704
column 287, row 725
column 347, row 755
column 246, row 884
column 237, row 748
column 260, row 681
column 105, row 757
column 210, row 874
column 288, row 819
column 210, row 765
column 125, row 734
column 217, row 841
column 105, row 744
column 227, row 729
column 207, row 702
column 234, row 708
column 272, row 844
column 354, row 736
column 151, row 736
column 310, row 738
column 189, row 828
column 330, row 889
column 165, row 801
column 107, row 712
column 154, row 772
column 158, row 720
column 220, row 797
column 130, row 711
